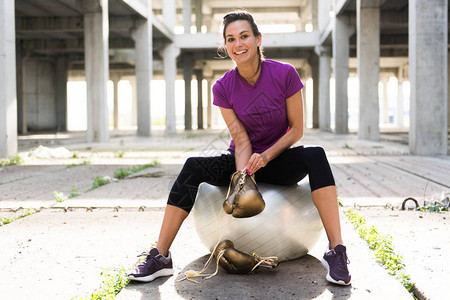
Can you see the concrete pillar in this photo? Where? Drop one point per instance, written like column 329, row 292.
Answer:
column 133, row 101
column 400, row 110
column 428, row 55
column 340, row 36
column 209, row 101
column 448, row 94
column 170, row 54
column 314, row 62
column 115, row 78
column 169, row 13
column 8, row 100
column 188, row 65
column 198, row 15
column 187, row 12
column 368, row 56
column 96, row 30
column 385, row 100
column 19, row 88
column 324, row 88
column 199, row 75
column 324, row 7
column 142, row 36
column 61, row 76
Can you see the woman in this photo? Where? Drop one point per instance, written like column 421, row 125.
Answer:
column 261, row 103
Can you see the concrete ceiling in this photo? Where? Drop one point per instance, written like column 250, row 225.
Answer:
column 55, row 27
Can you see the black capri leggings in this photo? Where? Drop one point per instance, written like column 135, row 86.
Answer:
column 288, row 168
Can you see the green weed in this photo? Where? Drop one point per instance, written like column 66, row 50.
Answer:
column 99, row 181
column 85, row 162
column 124, row 172
column 60, row 197
column 74, row 192
column 12, row 161
column 119, row 154
column 26, row 212
column 383, row 249
column 112, row 283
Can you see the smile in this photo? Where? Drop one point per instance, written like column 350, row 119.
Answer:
column 241, row 52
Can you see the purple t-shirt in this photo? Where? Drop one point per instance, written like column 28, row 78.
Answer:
column 261, row 108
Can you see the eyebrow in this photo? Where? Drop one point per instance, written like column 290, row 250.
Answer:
column 239, row 33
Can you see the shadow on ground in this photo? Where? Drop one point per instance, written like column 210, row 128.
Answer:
column 302, row 278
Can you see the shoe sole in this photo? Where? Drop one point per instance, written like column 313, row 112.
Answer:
column 329, row 278
column 160, row 273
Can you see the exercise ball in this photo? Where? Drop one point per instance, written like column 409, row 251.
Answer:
column 288, row 227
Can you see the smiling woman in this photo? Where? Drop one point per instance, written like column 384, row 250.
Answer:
column 262, row 106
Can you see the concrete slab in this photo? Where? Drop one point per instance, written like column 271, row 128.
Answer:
column 423, row 239
column 58, row 255
column 303, row 278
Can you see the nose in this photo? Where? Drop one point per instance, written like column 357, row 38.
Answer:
column 238, row 42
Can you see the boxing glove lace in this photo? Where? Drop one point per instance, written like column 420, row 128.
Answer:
column 245, row 200
column 237, row 262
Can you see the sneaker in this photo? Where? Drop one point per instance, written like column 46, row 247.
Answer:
column 155, row 265
column 336, row 262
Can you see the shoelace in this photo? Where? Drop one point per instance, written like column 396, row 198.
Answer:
column 341, row 256
column 148, row 258
column 241, row 182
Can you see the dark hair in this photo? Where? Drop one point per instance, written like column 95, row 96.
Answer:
column 236, row 16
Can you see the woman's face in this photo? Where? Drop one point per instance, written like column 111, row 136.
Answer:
column 242, row 45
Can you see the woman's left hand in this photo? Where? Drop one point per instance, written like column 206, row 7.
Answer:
column 256, row 162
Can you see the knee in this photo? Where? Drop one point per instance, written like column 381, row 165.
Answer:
column 191, row 163
column 316, row 153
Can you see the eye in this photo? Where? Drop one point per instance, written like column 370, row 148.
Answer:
column 244, row 36
column 230, row 39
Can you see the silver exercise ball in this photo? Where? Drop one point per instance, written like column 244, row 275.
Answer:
column 288, row 227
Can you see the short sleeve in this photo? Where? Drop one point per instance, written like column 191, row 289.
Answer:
column 293, row 82
column 220, row 98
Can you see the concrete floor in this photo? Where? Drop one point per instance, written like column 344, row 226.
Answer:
column 60, row 252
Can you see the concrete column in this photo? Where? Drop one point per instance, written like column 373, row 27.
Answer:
column 133, row 100
column 19, row 88
column 199, row 76
column 324, row 7
column 448, row 94
column 209, row 101
column 169, row 13
column 368, row 55
column 314, row 62
column 188, row 65
column 400, row 110
column 61, row 77
column 340, row 37
column 144, row 73
column 96, row 30
column 324, row 89
column 187, row 12
column 8, row 100
column 198, row 15
column 115, row 78
column 385, row 101
column 170, row 54
column 428, row 55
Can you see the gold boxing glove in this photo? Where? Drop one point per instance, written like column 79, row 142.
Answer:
column 245, row 200
column 237, row 262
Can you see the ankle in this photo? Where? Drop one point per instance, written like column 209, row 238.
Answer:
column 163, row 250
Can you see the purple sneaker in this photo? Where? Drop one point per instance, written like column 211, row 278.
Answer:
column 336, row 262
column 155, row 265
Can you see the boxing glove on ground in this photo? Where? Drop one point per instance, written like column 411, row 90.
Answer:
column 243, row 199
column 237, row 262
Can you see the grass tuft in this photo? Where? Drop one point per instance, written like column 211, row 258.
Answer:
column 26, row 212
column 124, row 172
column 383, row 249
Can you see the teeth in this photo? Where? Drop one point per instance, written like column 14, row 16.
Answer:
column 240, row 52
